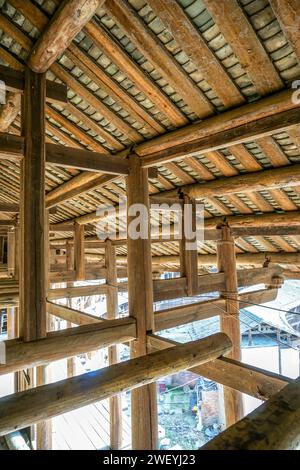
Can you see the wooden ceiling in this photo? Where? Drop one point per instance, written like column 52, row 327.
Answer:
column 140, row 69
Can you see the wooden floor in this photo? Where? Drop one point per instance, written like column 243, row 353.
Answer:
column 87, row 429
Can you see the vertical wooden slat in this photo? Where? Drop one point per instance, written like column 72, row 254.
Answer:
column 11, row 252
column 79, row 260
column 188, row 256
column 115, row 403
column 230, row 322
column 140, row 298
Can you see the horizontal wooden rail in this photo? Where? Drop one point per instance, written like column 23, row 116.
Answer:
column 32, row 406
column 275, row 425
column 67, row 343
column 244, row 378
column 175, row 316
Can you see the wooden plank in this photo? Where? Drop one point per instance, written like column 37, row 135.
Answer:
column 26, row 408
column 140, row 304
column 66, row 343
column 67, row 22
column 238, row 31
column 159, row 56
column 229, row 318
column 272, row 426
column 287, row 13
column 85, row 160
column 115, row 403
column 188, row 38
column 258, row 383
column 15, row 82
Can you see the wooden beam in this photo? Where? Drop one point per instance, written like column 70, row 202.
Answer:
column 188, row 253
column 140, row 303
column 159, row 56
column 115, row 403
column 275, row 178
column 229, row 318
column 15, row 82
column 79, row 259
column 66, row 343
column 67, row 22
column 246, row 114
column 26, row 408
column 288, row 13
column 272, row 426
column 4, row 207
column 238, row 31
column 258, row 383
column 84, row 291
column 176, row 316
column 266, row 126
column 242, row 259
column 257, row 221
column 188, row 38
column 75, row 186
column 85, row 160
column 167, row 289
column 70, row 315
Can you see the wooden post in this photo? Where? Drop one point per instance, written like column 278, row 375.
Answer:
column 230, row 323
column 115, row 403
column 140, row 297
column 32, row 210
column 188, row 256
column 11, row 253
column 79, row 259
column 34, row 225
column 1, row 249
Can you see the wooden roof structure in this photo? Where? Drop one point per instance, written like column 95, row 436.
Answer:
column 203, row 93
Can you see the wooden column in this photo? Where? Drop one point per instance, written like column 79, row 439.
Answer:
column 230, row 323
column 32, row 210
column 34, row 225
column 1, row 249
column 140, row 295
column 188, row 256
column 11, row 253
column 115, row 403
column 79, row 260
